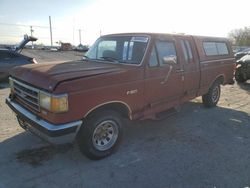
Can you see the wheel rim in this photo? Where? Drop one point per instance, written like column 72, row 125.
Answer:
column 105, row 135
column 216, row 94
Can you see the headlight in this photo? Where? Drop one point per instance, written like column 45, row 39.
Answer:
column 45, row 100
column 54, row 103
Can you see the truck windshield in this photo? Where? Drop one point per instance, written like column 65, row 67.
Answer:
column 119, row 49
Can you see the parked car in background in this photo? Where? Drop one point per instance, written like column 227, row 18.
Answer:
column 242, row 72
column 82, row 48
column 242, row 53
column 12, row 57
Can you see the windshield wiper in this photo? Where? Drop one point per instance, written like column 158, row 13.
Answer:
column 112, row 59
column 86, row 58
column 106, row 58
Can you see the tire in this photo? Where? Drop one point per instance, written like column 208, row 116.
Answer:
column 100, row 135
column 239, row 76
column 212, row 97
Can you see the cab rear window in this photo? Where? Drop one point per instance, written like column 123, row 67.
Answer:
column 215, row 48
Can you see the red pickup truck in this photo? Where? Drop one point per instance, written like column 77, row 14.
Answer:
column 132, row 75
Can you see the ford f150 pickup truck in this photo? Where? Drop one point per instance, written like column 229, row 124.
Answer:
column 132, row 75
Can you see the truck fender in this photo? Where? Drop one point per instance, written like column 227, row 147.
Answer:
column 121, row 106
column 220, row 78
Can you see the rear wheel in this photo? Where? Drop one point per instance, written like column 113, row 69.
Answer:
column 212, row 97
column 240, row 76
column 100, row 134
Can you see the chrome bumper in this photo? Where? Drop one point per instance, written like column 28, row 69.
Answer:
column 56, row 134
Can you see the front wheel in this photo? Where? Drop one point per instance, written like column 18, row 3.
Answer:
column 212, row 97
column 100, row 134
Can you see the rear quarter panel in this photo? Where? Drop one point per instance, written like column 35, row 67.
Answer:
column 213, row 67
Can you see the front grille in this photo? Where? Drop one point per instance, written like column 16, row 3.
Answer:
column 26, row 95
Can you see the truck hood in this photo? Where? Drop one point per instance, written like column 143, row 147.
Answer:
column 48, row 75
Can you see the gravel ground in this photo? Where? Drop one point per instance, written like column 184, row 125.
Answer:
column 197, row 147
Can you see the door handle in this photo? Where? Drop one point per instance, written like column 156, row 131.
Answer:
column 179, row 70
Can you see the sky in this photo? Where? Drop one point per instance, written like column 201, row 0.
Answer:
column 99, row 17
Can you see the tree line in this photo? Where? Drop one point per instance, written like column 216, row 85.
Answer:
column 240, row 37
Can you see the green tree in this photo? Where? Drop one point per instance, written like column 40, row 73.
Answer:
column 240, row 37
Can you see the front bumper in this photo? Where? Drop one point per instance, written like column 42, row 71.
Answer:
column 55, row 134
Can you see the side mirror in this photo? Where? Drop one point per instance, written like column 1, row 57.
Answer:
column 169, row 59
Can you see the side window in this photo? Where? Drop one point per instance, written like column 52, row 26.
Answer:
column 165, row 49
column 186, row 47
column 190, row 54
column 215, row 48
column 210, row 48
column 153, row 62
column 222, row 48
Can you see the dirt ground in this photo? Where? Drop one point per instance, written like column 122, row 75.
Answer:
column 197, row 147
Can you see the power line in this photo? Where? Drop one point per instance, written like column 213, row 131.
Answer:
column 11, row 36
column 23, row 25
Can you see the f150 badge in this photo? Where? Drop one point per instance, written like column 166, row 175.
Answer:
column 131, row 92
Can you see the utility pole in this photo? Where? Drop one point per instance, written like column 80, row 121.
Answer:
column 31, row 34
column 74, row 31
column 80, row 36
column 51, row 41
column 100, row 32
column 73, row 35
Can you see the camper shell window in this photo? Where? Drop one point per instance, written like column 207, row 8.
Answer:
column 215, row 48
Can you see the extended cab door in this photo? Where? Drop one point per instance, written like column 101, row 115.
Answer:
column 191, row 65
column 163, row 75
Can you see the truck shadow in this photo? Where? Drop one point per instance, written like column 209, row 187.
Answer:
column 194, row 125
column 37, row 156
column 4, row 84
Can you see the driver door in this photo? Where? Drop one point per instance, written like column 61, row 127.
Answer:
column 164, row 76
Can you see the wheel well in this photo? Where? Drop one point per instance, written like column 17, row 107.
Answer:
column 220, row 79
column 119, row 107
